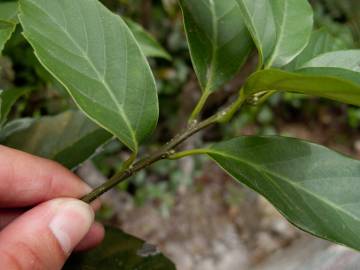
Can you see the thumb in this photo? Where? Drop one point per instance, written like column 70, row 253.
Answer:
column 45, row 236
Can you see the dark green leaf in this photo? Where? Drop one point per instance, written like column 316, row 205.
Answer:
column 148, row 44
column 93, row 54
column 321, row 42
column 218, row 39
column 333, row 83
column 8, row 99
column 337, row 28
column 316, row 189
column 69, row 138
column 120, row 251
column 275, row 28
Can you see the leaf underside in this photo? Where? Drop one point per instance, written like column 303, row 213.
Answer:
column 344, row 59
column 275, row 28
column 333, row 83
column 316, row 189
column 218, row 40
column 93, row 54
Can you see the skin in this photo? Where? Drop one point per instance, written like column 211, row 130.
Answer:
column 36, row 195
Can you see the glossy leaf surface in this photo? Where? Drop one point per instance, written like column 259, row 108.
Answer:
column 218, row 39
column 93, row 54
column 120, row 251
column 276, row 29
column 148, row 44
column 69, row 138
column 333, row 83
column 316, row 189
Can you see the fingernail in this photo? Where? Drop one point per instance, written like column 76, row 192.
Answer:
column 71, row 223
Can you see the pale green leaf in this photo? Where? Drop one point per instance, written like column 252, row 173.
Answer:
column 259, row 19
column 8, row 11
column 68, row 138
column 120, row 251
column 322, row 41
column 275, row 28
column 6, row 29
column 8, row 21
column 333, row 83
column 93, row 54
column 148, row 44
column 13, row 127
column 346, row 59
column 316, row 189
column 218, row 39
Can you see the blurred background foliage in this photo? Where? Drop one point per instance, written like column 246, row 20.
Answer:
column 288, row 114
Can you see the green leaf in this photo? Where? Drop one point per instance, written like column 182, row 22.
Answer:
column 218, row 39
column 120, row 251
column 148, row 44
column 8, row 11
column 8, row 21
column 6, row 29
column 275, row 28
column 68, row 138
column 333, row 83
column 93, row 54
column 8, row 99
column 14, row 126
column 346, row 59
column 259, row 19
column 316, row 189
column 321, row 42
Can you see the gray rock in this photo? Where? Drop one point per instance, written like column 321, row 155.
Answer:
column 312, row 254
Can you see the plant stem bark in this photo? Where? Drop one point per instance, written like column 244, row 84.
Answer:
column 163, row 153
column 167, row 150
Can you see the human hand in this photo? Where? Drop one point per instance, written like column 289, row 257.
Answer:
column 38, row 231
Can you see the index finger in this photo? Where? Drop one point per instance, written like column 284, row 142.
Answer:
column 26, row 180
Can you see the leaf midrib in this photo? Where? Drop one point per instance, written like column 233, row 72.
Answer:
column 101, row 79
column 284, row 179
column 214, row 46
